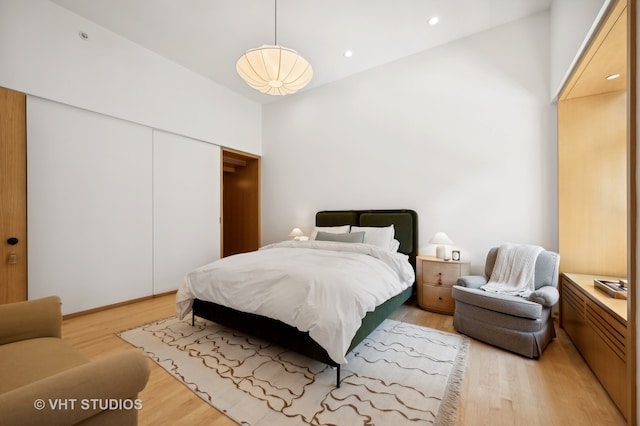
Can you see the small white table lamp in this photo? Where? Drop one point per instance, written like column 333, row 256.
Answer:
column 297, row 234
column 443, row 241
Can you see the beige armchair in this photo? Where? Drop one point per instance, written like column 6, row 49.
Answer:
column 46, row 381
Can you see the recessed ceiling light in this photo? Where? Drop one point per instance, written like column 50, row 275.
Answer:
column 348, row 53
column 613, row 76
column 434, row 20
column 83, row 35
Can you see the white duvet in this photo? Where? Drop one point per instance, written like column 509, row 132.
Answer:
column 322, row 287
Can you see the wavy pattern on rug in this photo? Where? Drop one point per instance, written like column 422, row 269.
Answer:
column 400, row 374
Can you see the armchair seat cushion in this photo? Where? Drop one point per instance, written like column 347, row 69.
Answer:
column 483, row 318
column 28, row 361
column 496, row 302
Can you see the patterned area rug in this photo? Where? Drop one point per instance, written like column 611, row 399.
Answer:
column 400, row 374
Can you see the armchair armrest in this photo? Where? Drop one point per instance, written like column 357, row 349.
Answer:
column 546, row 295
column 116, row 377
column 31, row 319
column 472, row 281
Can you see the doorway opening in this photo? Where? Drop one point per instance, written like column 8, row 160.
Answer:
column 240, row 202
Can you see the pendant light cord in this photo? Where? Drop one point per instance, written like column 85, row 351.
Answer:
column 275, row 22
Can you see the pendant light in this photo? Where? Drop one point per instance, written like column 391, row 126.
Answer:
column 274, row 69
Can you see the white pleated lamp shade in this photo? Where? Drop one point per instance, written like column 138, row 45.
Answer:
column 274, row 70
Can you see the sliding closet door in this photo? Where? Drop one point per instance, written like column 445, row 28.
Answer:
column 89, row 206
column 186, row 207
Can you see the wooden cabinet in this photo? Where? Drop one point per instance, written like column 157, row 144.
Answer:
column 593, row 189
column 596, row 164
column 435, row 277
column 597, row 325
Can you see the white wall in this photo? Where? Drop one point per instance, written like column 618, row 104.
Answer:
column 42, row 55
column 464, row 134
column 571, row 26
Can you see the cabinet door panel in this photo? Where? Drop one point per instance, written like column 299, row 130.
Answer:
column 573, row 314
column 186, row 207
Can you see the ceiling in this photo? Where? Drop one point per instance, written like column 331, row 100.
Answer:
column 208, row 36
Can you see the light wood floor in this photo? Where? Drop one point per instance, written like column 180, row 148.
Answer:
column 499, row 388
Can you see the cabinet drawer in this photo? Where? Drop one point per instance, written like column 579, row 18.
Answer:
column 440, row 273
column 436, row 298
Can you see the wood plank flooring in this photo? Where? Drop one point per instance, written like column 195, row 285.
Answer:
column 499, row 388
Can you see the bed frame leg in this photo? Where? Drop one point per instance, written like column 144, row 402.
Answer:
column 338, row 376
column 193, row 318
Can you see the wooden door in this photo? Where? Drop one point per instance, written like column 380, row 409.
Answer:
column 13, row 196
column 240, row 202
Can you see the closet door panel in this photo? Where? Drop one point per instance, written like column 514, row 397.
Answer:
column 186, row 207
column 89, row 206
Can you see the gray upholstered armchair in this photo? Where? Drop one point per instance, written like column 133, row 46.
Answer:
column 521, row 325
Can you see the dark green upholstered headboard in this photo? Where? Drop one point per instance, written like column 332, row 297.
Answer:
column 405, row 223
column 337, row 218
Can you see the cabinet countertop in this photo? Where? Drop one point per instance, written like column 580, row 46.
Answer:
column 585, row 282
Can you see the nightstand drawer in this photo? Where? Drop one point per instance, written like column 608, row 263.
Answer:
column 437, row 298
column 440, row 273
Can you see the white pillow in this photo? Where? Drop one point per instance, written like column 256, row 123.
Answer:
column 395, row 245
column 377, row 236
column 344, row 229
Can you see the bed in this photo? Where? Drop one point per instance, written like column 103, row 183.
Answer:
column 406, row 232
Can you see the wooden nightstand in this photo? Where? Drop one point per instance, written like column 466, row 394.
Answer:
column 435, row 277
